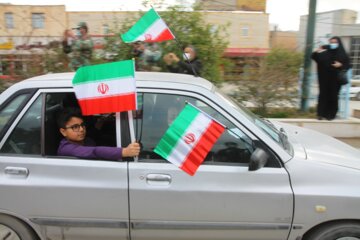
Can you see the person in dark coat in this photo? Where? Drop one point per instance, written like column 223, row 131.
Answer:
column 330, row 59
column 189, row 65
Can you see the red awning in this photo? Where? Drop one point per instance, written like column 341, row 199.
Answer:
column 246, row 52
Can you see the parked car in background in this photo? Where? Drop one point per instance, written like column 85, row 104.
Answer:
column 261, row 180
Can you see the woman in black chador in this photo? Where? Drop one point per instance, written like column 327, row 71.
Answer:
column 330, row 60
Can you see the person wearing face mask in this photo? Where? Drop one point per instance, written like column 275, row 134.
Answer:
column 330, row 59
column 81, row 47
column 188, row 65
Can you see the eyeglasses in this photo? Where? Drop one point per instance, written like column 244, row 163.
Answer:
column 76, row 127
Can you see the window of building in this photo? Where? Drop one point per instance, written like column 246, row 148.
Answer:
column 9, row 20
column 105, row 28
column 355, row 55
column 38, row 20
column 245, row 31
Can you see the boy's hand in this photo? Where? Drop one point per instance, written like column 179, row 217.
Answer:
column 132, row 150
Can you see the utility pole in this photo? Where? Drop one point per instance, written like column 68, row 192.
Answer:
column 307, row 59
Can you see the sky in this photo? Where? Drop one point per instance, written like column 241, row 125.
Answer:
column 283, row 13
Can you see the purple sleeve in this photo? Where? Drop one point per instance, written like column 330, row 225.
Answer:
column 91, row 152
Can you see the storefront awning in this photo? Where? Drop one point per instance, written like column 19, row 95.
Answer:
column 246, row 52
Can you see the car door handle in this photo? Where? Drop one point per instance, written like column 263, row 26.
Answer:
column 158, row 179
column 17, row 171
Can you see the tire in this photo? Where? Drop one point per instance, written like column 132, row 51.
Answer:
column 13, row 228
column 335, row 231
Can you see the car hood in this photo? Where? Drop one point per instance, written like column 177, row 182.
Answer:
column 315, row 146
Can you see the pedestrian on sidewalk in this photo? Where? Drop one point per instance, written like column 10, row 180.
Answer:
column 330, row 59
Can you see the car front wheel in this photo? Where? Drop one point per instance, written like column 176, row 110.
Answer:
column 335, row 231
column 12, row 228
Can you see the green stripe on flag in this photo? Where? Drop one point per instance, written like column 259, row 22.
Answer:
column 104, row 71
column 176, row 131
column 140, row 26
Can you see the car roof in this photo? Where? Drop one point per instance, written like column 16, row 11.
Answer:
column 64, row 80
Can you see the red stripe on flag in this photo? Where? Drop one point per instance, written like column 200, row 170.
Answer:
column 163, row 36
column 201, row 149
column 118, row 103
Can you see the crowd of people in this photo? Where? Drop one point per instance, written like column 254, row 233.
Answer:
column 331, row 59
column 78, row 45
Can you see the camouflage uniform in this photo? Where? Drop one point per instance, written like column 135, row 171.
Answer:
column 81, row 53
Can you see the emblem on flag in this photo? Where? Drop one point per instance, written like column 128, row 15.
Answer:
column 103, row 88
column 189, row 139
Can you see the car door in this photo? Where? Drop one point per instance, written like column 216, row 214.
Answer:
column 62, row 197
column 224, row 200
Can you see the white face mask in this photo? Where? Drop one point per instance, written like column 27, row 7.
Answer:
column 77, row 33
column 334, row 45
column 186, row 56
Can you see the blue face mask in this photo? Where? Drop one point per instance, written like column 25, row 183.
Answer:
column 77, row 33
column 334, row 45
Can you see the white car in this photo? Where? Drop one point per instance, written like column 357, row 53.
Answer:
column 261, row 180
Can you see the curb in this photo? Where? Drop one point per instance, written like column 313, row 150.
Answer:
column 338, row 128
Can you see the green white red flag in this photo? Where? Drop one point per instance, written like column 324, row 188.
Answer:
column 149, row 28
column 106, row 88
column 189, row 139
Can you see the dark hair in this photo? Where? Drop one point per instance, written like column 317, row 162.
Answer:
column 66, row 114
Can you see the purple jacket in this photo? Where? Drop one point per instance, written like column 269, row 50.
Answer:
column 88, row 150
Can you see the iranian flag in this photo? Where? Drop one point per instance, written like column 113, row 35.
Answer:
column 106, row 88
column 189, row 139
column 150, row 28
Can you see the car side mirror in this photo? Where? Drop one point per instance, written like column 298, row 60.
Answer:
column 258, row 159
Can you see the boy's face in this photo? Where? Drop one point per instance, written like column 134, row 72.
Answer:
column 75, row 130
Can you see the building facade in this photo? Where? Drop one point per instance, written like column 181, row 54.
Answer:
column 30, row 28
column 341, row 23
column 22, row 25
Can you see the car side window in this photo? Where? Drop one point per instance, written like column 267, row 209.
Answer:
column 25, row 138
column 100, row 128
column 7, row 112
column 157, row 111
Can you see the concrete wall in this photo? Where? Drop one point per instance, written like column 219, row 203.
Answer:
column 257, row 24
column 283, row 39
column 328, row 24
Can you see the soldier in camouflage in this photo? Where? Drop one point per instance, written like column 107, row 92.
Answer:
column 81, row 48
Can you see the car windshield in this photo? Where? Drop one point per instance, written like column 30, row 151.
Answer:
column 278, row 135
